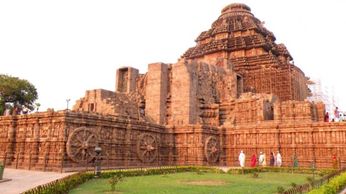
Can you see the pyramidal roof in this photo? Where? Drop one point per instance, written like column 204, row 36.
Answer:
column 225, row 34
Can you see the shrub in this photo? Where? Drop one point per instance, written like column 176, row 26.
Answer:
column 280, row 189
column 114, row 180
column 63, row 185
column 294, row 185
column 255, row 175
column 279, row 169
column 199, row 172
column 310, row 180
column 1, row 171
column 333, row 186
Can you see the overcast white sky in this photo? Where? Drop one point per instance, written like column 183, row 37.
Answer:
column 66, row 47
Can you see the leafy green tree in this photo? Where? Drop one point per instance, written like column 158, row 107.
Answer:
column 2, row 106
column 19, row 92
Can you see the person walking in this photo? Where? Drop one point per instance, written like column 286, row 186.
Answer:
column 335, row 161
column 295, row 160
column 241, row 159
column 326, row 117
column 272, row 159
column 253, row 160
column 262, row 159
column 278, row 159
column 336, row 114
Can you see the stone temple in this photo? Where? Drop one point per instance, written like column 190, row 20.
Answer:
column 237, row 89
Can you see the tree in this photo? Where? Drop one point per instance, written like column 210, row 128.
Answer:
column 19, row 92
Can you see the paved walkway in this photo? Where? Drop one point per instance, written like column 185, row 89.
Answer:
column 23, row 180
column 343, row 192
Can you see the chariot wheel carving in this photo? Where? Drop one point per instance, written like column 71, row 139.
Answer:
column 81, row 145
column 147, row 148
column 212, row 149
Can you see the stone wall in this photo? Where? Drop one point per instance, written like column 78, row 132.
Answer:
column 65, row 141
column 124, row 141
column 96, row 101
column 197, row 145
column 109, row 103
column 34, row 141
column 316, row 141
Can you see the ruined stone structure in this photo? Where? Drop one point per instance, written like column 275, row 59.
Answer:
column 235, row 90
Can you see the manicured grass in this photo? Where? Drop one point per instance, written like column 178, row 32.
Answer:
column 193, row 183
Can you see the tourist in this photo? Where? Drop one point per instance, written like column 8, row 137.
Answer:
column 261, row 159
column 278, row 159
column 272, row 159
column 253, row 160
column 242, row 159
column 326, row 117
column 295, row 160
column 336, row 114
column 7, row 112
column 25, row 110
column 341, row 117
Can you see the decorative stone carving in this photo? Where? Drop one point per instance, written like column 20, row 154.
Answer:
column 81, row 145
column 147, row 146
column 212, row 149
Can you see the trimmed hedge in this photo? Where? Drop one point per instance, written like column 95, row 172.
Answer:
column 332, row 187
column 63, row 185
column 1, row 171
column 314, row 183
column 158, row 171
column 320, row 172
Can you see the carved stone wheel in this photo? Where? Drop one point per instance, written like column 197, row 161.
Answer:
column 212, row 149
column 81, row 145
column 147, row 148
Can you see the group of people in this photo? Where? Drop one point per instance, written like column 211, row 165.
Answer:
column 337, row 117
column 275, row 160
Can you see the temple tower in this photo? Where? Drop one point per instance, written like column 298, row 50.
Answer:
column 240, row 41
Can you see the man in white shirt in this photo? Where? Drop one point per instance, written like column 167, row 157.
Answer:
column 278, row 159
column 261, row 159
column 242, row 159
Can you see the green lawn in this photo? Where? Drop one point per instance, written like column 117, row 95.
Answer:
column 193, row 183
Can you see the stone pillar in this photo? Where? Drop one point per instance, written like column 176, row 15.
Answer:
column 133, row 74
column 35, row 144
column 277, row 111
column 127, row 149
column 11, row 141
column 156, row 92
column 184, row 93
column 126, row 79
column 63, row 141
